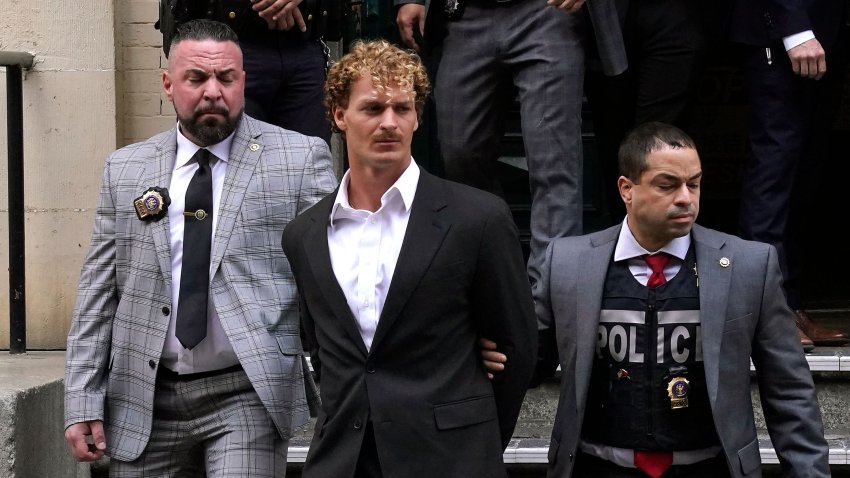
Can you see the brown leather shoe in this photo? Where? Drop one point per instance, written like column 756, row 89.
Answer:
column 819, row 334
column 805, row 341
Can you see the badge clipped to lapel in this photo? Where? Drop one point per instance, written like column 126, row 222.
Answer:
column 152, row 204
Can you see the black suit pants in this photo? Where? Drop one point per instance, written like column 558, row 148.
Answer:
column 789, row 119
column 665, row 42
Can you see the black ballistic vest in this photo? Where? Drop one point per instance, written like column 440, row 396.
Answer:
column 647, row 339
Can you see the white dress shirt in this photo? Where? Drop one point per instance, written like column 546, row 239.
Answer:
column 364, row 247
column 628, row 249
column 214, row 352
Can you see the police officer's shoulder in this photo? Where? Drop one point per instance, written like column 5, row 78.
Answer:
column 721, row 239
column 270, row 137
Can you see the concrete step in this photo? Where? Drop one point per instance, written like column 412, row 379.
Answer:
column 830, row 369
column 526, row 455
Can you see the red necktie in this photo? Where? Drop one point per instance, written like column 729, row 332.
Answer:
column 657, row 262
column 653, row 463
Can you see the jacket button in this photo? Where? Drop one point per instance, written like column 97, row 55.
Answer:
column 358, row 424
column 166, row 311
column 152, row 363
column 370, row 368
column 571, row 457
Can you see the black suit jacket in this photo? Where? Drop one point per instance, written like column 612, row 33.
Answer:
column 460, row 275
column 763, row 22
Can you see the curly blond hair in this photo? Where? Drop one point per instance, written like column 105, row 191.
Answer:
column 385, row 64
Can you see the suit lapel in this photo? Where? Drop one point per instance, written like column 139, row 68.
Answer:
column 425, row 232
column 594, row 266
column 714, row 283
column 319, row 258
column 158, row 173
column 245, row 153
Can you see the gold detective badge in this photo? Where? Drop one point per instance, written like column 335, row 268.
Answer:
column 152, row 204
column 678, row 389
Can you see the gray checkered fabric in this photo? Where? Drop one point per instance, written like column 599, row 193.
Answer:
column 124, row 295
column 213, row 427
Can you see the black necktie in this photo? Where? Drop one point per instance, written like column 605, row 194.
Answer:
column 197, row 243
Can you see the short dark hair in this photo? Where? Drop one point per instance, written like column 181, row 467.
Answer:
column 203, row 29
column 647, row 138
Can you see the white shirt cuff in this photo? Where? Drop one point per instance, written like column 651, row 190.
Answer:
column 796, row 39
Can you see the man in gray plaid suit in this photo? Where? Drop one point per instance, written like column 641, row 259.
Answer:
column 225, row 403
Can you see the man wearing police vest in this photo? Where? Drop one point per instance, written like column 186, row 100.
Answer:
column 655, row 322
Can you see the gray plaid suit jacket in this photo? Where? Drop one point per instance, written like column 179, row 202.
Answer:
column 124, row 295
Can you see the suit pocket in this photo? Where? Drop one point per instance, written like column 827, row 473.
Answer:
column 263, row 213
column 749, row 457
column 289, row 344
column 463, row 413
column 737, row 323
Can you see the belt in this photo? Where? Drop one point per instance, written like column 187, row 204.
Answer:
column 168, row 374
column 625, row 457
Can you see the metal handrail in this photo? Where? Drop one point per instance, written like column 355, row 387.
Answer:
column 15, row 62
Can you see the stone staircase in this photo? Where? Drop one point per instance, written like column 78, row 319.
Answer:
column 526, row 454
column 525, row 457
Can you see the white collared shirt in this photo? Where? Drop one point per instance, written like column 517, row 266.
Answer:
column 364, row 247
column 214, row 352
column 628, row 249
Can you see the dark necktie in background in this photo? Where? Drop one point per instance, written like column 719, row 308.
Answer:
column 197, row 244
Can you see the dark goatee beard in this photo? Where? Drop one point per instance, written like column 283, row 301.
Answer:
column 210, row 131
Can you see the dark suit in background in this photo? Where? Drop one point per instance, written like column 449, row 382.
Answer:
column 666, row 42
column 787, row 113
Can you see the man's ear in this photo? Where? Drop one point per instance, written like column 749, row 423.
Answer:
column 339, row 117
column 625, row 185
column 167, row 86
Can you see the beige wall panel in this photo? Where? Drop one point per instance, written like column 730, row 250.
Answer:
column 139, row 11
column 143, row 81
column 141, row 58
column 69, row 128
column 57, row 241
column 64, row 34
